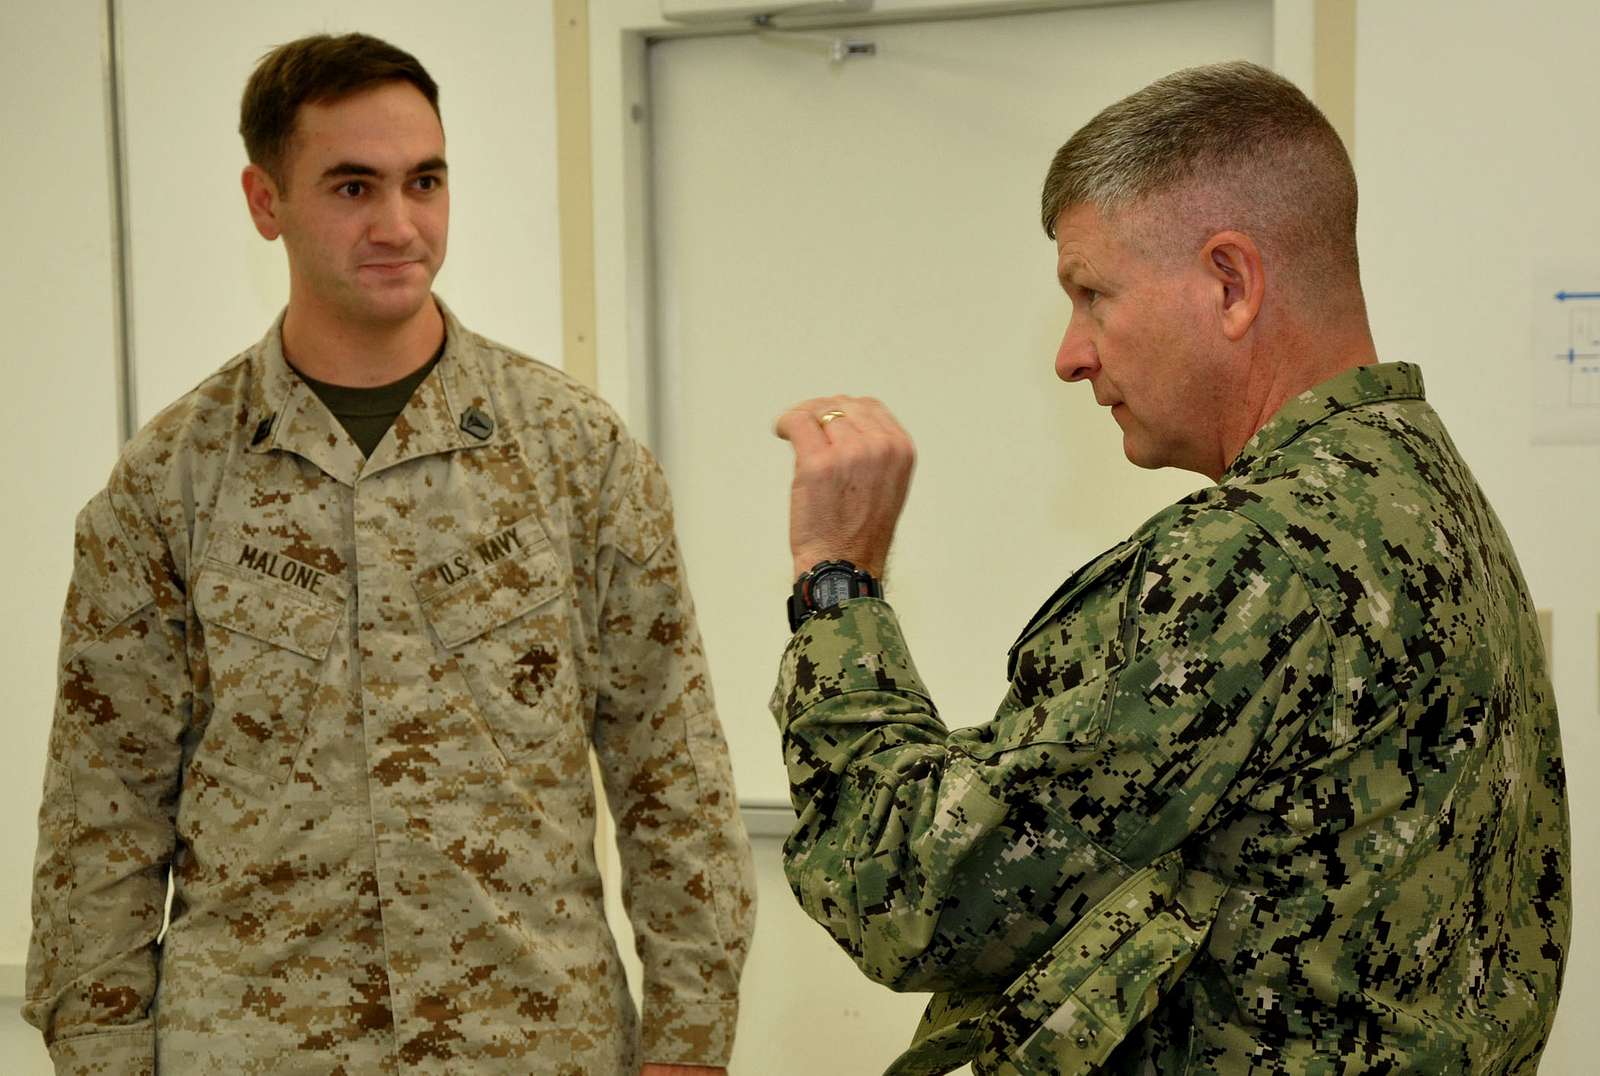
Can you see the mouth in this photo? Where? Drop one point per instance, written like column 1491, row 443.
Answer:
column 389, row 268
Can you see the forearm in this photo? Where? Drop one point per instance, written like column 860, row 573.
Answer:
column 688, row 886
column 867, row 768
column 106, row 824
column 99, row 891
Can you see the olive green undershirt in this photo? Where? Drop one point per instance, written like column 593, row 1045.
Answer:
column 367, row 413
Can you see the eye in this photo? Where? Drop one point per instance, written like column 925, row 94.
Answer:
column 429, row 183
column 351, row 188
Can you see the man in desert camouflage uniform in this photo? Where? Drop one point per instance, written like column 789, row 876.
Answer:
column 1277, row 785
column 341, row 632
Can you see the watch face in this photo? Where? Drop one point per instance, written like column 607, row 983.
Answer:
column 830, row 588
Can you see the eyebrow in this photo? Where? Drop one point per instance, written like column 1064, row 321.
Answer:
column 355, row 168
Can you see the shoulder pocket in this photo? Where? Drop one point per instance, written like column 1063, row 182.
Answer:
column 108, row 583
column 1069, row 1011
column 643, row 519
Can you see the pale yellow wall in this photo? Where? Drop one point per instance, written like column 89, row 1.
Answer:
column 58, row 413
column 58, row 424
column 1478, row 163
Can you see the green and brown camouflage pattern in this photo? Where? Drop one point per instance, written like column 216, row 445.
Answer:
column 1277, row 786
column 351, row 703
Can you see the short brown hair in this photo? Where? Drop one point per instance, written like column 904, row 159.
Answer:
column 312, row 70
column 1245, row 148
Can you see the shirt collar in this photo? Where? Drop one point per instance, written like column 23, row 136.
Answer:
column 1357, row 387
column 452, row 409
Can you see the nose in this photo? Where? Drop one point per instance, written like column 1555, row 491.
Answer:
column 391, row 224
column 1077, row 358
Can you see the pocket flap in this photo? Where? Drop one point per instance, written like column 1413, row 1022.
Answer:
column 1118, row 559
column 1106, row 975
column 266, row 609
column 1075, row 718
column 490, row 583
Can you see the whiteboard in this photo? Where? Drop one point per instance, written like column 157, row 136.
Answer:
column 871, row 227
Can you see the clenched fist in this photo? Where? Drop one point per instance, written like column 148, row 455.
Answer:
column 852, row 468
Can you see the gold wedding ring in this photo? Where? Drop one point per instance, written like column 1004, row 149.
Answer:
column 828, row 416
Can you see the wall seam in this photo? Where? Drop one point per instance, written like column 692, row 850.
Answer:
column 575, row 189
column 116, row 134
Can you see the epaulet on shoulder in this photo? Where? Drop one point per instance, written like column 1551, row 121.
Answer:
column 204, row 412
column 1218, row 510
column 565, row 392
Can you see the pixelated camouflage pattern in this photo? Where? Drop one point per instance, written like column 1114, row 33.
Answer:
column 351, row 702
column 1276, row 787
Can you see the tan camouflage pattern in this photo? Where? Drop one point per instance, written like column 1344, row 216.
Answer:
column 351, row 703
column 1277, row 786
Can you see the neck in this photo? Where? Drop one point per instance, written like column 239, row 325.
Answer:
column 1296, row 359
column 359, row 354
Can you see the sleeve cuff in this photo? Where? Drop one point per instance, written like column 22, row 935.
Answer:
column 698, row 1033
column 106, row 1053
column 853, row 646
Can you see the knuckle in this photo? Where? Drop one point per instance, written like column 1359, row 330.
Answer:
column 814, row 469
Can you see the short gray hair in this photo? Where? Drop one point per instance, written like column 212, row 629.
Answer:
column 1243, row 144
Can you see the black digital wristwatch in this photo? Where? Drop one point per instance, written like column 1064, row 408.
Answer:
column 826, row 585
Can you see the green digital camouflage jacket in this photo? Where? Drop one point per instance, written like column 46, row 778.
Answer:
column 351, row 702
column 1276, row 787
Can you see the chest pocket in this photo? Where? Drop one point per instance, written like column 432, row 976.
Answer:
column 270, row 623
column 500, row 608
column 1063, row 669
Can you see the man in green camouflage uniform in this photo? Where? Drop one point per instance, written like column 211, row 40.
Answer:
column 343, row 678
column 1277, row 785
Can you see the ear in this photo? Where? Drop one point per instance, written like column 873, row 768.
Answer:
column 1233, row 262
column 261, row 197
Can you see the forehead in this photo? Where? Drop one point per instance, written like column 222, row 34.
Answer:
column 389, row 124
column 1083, row 238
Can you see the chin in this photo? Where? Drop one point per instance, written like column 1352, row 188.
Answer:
column 1150, row 457
column 398, row 305
column 1136, row 453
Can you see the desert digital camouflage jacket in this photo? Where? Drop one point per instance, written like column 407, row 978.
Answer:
column 351, row 703
column 1276, row 787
